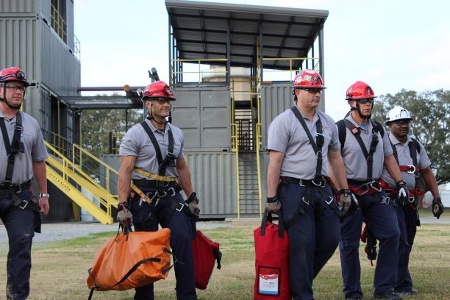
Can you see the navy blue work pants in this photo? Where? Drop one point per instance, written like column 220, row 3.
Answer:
column 407, row 221
column 382, row 220
column 147, row 218
column 313, row 231
column 20, row 225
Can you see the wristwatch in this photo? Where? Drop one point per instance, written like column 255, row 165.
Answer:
column 44, row 195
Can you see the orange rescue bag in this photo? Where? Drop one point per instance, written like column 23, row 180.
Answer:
column 131, row 260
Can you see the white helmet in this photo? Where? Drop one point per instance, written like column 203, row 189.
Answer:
column 397, row 113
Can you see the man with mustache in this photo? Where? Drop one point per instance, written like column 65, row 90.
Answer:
column 152, row 158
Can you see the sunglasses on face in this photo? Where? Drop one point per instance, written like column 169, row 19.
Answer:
column 313, row 91
column 365, row 101
column 15, row 88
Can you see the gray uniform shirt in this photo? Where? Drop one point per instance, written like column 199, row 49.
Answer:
column 34, row 148
column 136, row 142
column 286, row 135
column 354, row 159
column 404, row 159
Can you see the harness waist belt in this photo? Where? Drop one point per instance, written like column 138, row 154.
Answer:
column 360, row 183
column 15, row 187
column 153, row 184
column 409, row 168
column 316, row 182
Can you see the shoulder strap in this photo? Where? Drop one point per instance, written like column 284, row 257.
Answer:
column 342, row 132
column 12, row 148
column 416, row 144
column 163, row 163
column 154, row 141
column 373, row 144
column 318, row 144
column 378, row 127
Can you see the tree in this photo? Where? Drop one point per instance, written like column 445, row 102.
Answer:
column 99, row 123
column 430, row 125
column 96, row 126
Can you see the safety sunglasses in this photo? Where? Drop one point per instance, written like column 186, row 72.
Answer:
column 16, row 88
column 313, row 91
column 365, row 101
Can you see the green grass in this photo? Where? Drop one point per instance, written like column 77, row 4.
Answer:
column 60, row 268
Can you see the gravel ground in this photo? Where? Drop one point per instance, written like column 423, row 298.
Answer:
column 70, row 230
column 65, row 231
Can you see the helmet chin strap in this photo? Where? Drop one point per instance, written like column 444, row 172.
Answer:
column 7, row 103
column 153, row 118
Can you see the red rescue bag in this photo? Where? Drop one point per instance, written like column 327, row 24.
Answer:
column 206, row 252
column 271, row 261
column 131, row 260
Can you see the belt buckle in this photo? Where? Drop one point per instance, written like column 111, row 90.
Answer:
column 321, row 183
column 300, row 182
column 179, row 207
column 172, row 191
column 24, row 204
column 363, row 189
column 412, row 169
column 372, row 185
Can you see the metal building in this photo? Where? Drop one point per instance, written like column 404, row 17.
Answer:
column 245, row 58
column 38, row 36
column 225, row 110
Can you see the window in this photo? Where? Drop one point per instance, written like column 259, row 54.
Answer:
column 58, row 11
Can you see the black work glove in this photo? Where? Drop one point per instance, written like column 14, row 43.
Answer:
column 273, row 205
column 192, row 202
column 437, row 208
column 402, row 191
column 124, row 216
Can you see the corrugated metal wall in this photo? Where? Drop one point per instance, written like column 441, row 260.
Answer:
column 204, row 115
column 275, row 99
column 29, row 43
column 213, row 179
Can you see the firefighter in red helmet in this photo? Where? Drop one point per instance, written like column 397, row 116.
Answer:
column 22, row 157
column 9, row 76
column 303, row 148
column 359, row 94
column 160, row 93
column 366, row 150
column 152, row 158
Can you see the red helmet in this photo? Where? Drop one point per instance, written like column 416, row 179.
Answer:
column 157, row 89
column 308, row 79
column 13, row 74
column 359, row 90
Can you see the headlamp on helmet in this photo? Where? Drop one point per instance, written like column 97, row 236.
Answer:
column 13, row 74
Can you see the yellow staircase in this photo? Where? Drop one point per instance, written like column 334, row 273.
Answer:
column 69, row 177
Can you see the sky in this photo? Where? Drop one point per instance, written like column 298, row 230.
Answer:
column 391, row 45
